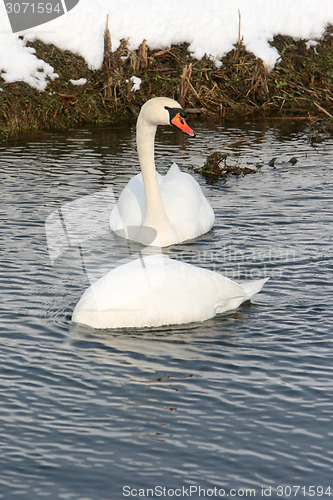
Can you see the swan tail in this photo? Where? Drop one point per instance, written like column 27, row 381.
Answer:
column 251, row 288
column 174, row 169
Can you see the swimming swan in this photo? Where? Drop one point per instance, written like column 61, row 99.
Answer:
column 155, row 291
column 172, row 205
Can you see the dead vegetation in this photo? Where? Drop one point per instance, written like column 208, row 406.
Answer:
column 301, row 85
column 216, row 166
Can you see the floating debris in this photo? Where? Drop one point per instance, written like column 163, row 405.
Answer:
column 320, row 130
column 216, row 165
column 293, row 160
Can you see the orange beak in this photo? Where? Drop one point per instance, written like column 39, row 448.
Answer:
column 179, row 122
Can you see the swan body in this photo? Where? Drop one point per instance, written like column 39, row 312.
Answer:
column 155, row 291
column 173, row 206
column 189, row 213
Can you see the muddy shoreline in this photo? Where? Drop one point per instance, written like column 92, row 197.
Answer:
column 300, row 86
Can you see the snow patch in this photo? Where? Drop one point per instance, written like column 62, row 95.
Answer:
column 136, row 83
column 80, row 81
column 211, row 28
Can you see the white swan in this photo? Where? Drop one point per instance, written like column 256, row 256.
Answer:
column 172, row 205
column 155, row 291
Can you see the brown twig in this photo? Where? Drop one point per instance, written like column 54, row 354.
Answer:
column 196, row 110
column 66, row 96
column 107, row 44
column 184, row 84
column 309, row 117
column 239, row 43
column 322, row 109
column 234, row 142
column 142, row 55
column 161, row 52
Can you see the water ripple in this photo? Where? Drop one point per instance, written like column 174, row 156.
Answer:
column 242, row 400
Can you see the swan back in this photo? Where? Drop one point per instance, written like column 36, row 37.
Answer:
column 156, row 291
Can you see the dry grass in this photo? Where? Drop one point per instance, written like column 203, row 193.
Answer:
column 301, row 85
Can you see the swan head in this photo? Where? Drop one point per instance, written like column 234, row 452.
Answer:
column 165, row 111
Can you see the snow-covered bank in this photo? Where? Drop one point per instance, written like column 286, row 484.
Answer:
column 210, row 27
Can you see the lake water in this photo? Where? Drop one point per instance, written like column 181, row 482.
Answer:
column 240, row 405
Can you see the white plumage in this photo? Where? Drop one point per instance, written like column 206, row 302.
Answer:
column 189, row 212
column 172, row 205
column 160, row 210
column 156, row 290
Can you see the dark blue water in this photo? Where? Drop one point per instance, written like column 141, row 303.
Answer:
column 232, row 405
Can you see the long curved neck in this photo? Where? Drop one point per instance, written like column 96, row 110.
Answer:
column 155, row 215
